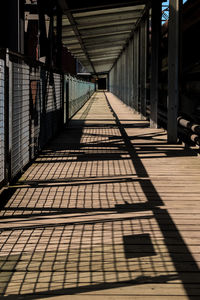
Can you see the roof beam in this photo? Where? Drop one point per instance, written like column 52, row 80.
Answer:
column 105, row 58
column 107, row 39
column 96, row 34
column 88, row 5
column 103, row 54
column 104, row 61
column 100, row 46
column 109, row 30
column 77, row 34
column 143, row 15
column 105, row 34
column 119, row 16
column 103, row 24
column 109, row 10
column 113, row 45
column 74, row 47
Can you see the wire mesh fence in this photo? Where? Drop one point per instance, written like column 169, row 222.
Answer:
column 38, row 103
column 78, row 93
column 2, row 127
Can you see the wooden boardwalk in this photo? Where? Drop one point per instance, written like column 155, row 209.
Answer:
column 109, row 210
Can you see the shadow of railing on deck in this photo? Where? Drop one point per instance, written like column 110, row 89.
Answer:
column 69, row 234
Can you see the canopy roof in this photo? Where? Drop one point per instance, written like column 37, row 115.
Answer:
column 96, row 32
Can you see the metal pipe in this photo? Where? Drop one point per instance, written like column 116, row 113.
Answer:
column 189, row 125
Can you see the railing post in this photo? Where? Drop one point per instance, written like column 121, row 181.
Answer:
column 155, row 52
column 136, row 71
column 143, row 67
column 173, row 68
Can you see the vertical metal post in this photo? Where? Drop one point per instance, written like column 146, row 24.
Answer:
column 14, row 12
column 120, row 77
column 156, row 30
column 133, row 101
column 10, row 114
column 6, row 118
column 107, row 82
column 131, row 73
column 51, row 36
column 62, row 91
column 136, row 70
column 43, row 42
column 109, row 78
column 143, row 67
column 128, row 74
column 125, row 73
column 59, row 38
column 123, row 76
column 173, row 68
column 115, row 82
column 114, row 79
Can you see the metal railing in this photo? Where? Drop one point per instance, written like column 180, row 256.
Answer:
column 79, row 92
column 35, row 102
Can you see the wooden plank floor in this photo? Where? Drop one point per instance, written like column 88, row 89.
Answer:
column 109, row 210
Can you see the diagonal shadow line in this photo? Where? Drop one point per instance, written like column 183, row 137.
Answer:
column 81, row 181
column 139, row 166
column 66, row 223
column 39, row 216
column 140, row 169
column 102, row 286
column 95, row 120
column 91, row 126
column 109, row 156
column 70, row 181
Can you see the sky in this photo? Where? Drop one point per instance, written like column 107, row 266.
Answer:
column 167, row 2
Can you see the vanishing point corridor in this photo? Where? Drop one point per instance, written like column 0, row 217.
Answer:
column 109, row 210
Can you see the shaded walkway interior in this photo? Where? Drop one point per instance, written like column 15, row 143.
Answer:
column 109, row 209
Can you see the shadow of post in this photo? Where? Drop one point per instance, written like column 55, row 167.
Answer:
column 154, row 203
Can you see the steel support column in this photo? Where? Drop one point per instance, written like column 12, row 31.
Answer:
column 120, row 77
column 59, row 38
column 124, row 76
column 108, row 82
column 127, row 75
column 117, row 83
column 156, row 30
column 14, row 25
column 173, row 68
column 143, row 67
column 132, row 73
column 136, row 70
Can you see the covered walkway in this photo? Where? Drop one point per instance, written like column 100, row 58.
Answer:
column 109, row 210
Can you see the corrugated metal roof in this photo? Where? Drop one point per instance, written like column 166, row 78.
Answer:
column 96, row 34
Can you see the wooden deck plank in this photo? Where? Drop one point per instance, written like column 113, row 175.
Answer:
column 109, row 210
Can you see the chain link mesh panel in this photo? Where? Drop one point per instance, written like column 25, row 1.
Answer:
column 2, row 130
column 51, row 105
column 79, row 92
column 35, row 109
column 20, row 117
